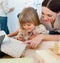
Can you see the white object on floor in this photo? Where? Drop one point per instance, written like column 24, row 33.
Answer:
column 12, row 46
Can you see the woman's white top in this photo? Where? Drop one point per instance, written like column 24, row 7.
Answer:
column 56, row 25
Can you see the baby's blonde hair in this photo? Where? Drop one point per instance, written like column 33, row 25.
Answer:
column 28, row 15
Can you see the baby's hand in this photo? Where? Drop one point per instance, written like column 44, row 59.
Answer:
column 20, row 38
column 33, row 43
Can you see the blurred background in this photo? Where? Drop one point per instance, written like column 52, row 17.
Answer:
column 18, row 6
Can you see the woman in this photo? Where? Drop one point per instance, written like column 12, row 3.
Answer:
column 50, row 10
column 50, row 16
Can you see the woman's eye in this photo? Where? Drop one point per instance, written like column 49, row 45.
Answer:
column 49, row 15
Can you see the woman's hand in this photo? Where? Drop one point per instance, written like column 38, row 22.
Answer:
column 33, row 43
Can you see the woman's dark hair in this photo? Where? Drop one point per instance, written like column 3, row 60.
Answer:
column 53, row 5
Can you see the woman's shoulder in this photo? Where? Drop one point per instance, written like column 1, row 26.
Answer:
column 57, row 23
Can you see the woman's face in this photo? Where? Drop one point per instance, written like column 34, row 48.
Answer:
column 48, row 15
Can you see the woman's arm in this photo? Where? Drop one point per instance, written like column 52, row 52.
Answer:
column 13, row 33
column 51, row 37
column 42, row 37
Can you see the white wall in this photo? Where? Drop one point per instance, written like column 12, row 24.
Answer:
column 12, row 17
column 18, row 6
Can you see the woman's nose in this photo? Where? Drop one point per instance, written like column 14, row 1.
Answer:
column 45, row 19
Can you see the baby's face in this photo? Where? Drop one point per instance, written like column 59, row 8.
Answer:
column 28, row 27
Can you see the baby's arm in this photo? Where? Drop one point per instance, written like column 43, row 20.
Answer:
column 13, row 33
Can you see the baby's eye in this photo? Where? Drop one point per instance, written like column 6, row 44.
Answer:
column 42, row 13
column 28, row 25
